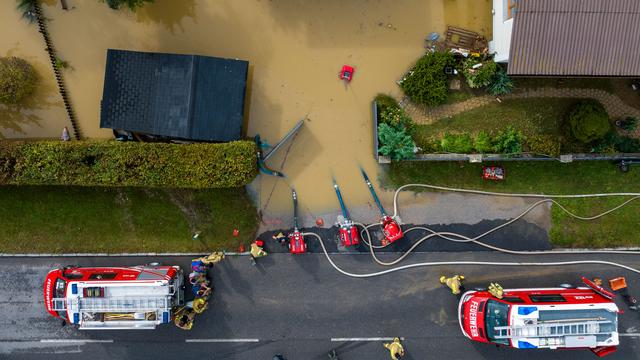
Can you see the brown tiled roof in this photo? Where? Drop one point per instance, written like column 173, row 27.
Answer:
column 576, row 38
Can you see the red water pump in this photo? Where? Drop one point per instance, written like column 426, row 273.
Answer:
column 348, row 231
column 390, row 227
column 297, row 245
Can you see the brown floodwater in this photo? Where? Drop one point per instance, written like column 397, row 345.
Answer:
column 295, row 48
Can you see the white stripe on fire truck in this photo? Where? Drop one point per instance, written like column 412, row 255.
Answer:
column 364, row 339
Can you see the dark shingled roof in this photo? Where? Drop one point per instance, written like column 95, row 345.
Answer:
column 576, row 38
column 180, row 96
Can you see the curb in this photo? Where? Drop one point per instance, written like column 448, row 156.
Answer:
column 32, row 255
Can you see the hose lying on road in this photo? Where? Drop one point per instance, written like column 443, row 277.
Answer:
column 441, row 263
column 450, row 236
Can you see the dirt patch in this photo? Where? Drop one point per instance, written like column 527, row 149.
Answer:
column 123, row 201
column 194, row 211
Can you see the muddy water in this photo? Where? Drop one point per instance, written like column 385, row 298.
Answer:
column 295, row 48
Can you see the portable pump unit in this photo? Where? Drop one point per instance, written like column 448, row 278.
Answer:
column 391, row 229
column 297, row 245
column 348, row 231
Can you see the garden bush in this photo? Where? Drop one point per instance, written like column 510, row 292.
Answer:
column 482, row 143
column 427, row 82
column 110, row 163
column 480, row 76
column 17, row 79
column 131, row 4
column 386, row 103
column 457, row 143
column 588, row 121
column 501, row 83
column 508, row 141
column 397, row 118
column 395, row 142
column 544, row 144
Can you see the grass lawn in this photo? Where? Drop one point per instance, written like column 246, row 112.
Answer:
column 75, row 219
column 617, row 229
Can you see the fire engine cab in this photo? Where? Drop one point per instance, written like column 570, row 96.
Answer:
column 138, row 297
column 550, row 318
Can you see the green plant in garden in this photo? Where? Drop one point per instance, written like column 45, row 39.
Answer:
column 508, row 141
column 457, row 143
column 477, row 72
column 501, row 83
column 17, row 79
column 630, row 123
column 544, row 144
column 482, row 143
column 427, row 83
column 26, row 7
column 395, row 142
column 385, row 103
column 61, row 64
column 588, row 121
column 131, row 4
column 397, row 118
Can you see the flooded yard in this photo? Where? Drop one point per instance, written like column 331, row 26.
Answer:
column 295, row 49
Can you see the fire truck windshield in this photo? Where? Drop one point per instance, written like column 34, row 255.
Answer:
column 59, row 293
column 496, row 314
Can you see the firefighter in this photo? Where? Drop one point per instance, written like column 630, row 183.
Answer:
column 395, row 348
column 257, row 251
column 199, row 305
column 212, row 258
column 184, row 318
column 496, row 290
column 454, row 283
column 280, row 237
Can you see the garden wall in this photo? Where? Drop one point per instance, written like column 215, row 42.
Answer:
column 493, row 157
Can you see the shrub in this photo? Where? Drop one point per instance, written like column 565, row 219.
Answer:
column 110, row 163
column 397, row 118
column 17, row 79
column 131, row 4
column 480, row 76
column 630, row 123
column 386, row 103
column 482, row 143
column 457, row 143
column 588, row 121
column 508, row 141
column 501, row 83
column 544, row 144
column 395, row 142
column 427, row 83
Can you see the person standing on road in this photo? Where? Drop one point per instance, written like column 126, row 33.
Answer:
column 395, row 348
column 257, row 251
column 454, row 283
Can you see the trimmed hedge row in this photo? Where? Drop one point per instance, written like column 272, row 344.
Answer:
column 111, row 163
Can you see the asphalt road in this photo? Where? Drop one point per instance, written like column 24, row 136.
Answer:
column 299, row 306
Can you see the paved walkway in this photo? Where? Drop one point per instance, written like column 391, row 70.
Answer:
column 612, row 103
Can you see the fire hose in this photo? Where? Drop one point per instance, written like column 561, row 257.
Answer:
column 450, row 236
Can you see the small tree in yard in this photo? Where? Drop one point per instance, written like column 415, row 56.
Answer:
column 427, row 83
column 508, row 141
column 479, row 73
column 395, row 142
column 501, row 83
column 588, row 121
column 17, row 79
column 133, row 5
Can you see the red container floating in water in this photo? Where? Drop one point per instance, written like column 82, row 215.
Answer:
column 319, row 222
column 236, row 232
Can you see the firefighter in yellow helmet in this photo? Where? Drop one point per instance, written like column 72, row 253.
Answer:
column 395, row 348
column 496, row 290
column 454, row 283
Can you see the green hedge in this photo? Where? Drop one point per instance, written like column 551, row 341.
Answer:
column 111, row 163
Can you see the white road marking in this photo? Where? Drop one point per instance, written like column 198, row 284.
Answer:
column 222, row 340
column 74, row 341
column 630, row 334
column 364, row 339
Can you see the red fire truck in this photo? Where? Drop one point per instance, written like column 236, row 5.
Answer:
column 138, row 297
column 545, row 318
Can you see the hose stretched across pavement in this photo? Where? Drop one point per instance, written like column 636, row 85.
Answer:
column 450, row 236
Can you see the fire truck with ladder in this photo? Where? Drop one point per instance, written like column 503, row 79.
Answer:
column 138, row 297
column 543, row 318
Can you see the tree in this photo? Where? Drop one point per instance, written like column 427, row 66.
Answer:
column 427, row 82
column 501, row 83
column 395, row 142
column 17, row 79
column 133, row 5
column 588, row 121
